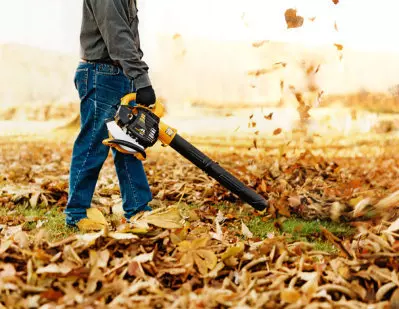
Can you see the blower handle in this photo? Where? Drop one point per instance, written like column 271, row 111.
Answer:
column 157, row 108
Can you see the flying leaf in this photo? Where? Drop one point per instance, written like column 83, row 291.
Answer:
column 292, row 19
column 258, row 44
column 176, row 36
column 277, row 131
column 269, row 117
column 339, row 46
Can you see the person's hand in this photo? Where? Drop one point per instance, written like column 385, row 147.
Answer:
column 146, row 96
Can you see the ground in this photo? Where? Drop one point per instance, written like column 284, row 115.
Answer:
column 328, row 239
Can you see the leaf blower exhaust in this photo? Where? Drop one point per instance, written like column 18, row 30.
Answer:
column 136, row 128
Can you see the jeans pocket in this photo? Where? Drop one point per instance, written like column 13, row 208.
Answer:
column 108, row 69
column 81, row 82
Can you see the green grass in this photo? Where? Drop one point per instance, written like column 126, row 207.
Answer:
column 325, row 247
column 53, row 217
column 301, row 230
column 296, row 229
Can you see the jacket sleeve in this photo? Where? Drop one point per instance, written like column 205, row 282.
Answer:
column 112, row 18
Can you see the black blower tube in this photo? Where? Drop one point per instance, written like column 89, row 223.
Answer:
column 215, row 171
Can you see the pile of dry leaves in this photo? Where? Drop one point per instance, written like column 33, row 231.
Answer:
column 182, row 258
column 179, row 257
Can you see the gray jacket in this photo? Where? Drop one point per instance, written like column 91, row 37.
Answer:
column 110, row 32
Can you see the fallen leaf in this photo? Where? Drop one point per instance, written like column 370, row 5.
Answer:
column 95, row 221
column 245, row 230
column 34, row 199
column 122, row 236
column 390, row 201
column 54, row 269
column 277, row 131
column 96, row 215
column 169, row 218
column 233, row 251
column 290, row 296
column 394, row 226
column 52, row 295
column 193, row 253
column 144, row 258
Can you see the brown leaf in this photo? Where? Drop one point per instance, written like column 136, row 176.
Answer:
column 339, row 46
column 54, row 269
column 95, row 221
column 277, row 131
column 34, row 199
column 395, row 299
column 135, row 270
column 292, row 19
column 52, row 295
column 290, row 296
column 394, row 226
column 269, row 117
column 255, row 143
column 233, row 251
column 176, row 36
column 205, row 260
column 294, row 201
column 169, row 218
column 335, row 1
column 259, row 44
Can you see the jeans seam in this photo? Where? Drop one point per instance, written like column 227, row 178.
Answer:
column 91, row 142
column 130, row 183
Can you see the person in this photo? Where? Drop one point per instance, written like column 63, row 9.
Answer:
column 111, row 67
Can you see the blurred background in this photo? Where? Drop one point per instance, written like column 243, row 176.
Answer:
column 215, row 59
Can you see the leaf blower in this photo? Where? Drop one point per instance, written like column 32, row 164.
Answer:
column 136, row 128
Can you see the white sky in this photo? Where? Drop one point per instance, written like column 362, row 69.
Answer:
column 365, row 24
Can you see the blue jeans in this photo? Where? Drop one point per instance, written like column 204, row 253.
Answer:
column 100, row 88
